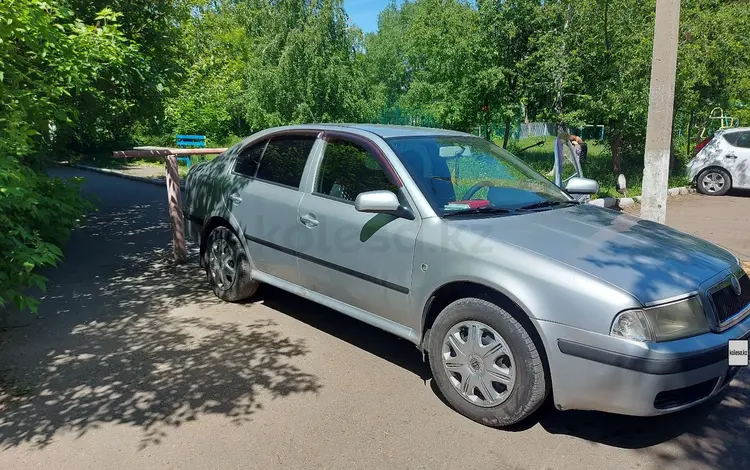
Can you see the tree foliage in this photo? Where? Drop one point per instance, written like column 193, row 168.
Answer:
column 47, row 55
column 87, row 75
column 258, row 64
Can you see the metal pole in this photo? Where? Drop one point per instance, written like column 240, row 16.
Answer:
column 661, row 102
column 175, row 210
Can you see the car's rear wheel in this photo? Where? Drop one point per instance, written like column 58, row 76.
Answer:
column 228, row 267
column 485, row 363
column 714, row 182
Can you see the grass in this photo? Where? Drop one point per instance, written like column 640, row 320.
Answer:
column 598, row 166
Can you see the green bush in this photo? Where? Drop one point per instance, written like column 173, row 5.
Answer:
column 51, row 61
column 36, row 216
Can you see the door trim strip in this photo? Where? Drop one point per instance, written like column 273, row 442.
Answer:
column 329, row 265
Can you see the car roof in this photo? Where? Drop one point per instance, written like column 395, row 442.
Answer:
column 731, row 130
column 383, row 130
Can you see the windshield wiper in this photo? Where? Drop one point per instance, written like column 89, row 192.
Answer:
column 544, row 204
column 479, row 210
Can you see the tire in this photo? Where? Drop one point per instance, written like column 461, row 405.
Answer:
column 527, row 388
column 713, row 182
column 228, row 267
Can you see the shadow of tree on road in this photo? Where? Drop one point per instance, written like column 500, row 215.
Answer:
column 123, row 338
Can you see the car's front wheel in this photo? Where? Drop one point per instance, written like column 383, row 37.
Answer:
column 714, row 182
column 228, row 267
column 485, row 363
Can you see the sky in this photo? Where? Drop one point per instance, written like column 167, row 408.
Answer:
column 364, row 13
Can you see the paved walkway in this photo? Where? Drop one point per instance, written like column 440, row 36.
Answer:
column 133, row 364
column 723, row 220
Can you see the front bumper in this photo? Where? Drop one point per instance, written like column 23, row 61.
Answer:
column 591, row 371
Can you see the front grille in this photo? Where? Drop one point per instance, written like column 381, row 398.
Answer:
column 727, row 303
column 683, row 396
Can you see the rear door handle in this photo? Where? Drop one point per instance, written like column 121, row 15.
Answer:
column 731, row 155
column 309, row 220
column 235, row 198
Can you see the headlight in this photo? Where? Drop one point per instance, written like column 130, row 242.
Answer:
column 663, row 323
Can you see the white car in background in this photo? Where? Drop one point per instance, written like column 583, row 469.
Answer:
column 722, row 162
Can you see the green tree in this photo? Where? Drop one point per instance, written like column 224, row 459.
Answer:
column 47, row 54
column 505, row 47
column 441, row 43
column 386, row 68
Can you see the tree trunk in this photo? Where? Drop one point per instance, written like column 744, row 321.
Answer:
column 507, row 133
column 616, row 146
column 672, row 152
column 689, row 131
column 559, row 79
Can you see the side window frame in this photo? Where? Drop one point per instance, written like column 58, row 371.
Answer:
column 365, row 144
column 265, row 141
column 313, row 134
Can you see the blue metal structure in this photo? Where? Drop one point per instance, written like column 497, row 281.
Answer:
column 190, row 141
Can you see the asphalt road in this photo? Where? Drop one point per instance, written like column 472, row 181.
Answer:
column 132, row 363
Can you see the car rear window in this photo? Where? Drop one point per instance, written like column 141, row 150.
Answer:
column 731, row 137
column 743, row 140
column 284, row 159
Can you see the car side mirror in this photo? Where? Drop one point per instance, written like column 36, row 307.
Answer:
column 381, row 202
column 582, row 186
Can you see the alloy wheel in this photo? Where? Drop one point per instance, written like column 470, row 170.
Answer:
column 713, row 182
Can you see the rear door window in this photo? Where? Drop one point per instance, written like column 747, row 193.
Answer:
column 247, row 160
column 283, row 161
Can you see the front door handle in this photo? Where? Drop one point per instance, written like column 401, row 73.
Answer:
column 235, row 198
column 731, row 155
column 309, row 220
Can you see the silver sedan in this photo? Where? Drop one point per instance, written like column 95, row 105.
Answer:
column 514, row 290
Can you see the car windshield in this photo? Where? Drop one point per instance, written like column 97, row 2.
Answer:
column 469, row 175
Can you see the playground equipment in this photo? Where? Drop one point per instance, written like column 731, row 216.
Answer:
column 723, row 121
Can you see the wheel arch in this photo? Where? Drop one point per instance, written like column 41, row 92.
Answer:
column 455, row 290
column 713, row 166
column 208, row 226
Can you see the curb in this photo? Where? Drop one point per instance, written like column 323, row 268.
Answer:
column 671, row 192
column 142, row 179
column 604, row 202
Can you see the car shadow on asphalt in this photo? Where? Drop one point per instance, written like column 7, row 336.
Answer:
column 739, row 192
column 361, row 335
column 711, row 434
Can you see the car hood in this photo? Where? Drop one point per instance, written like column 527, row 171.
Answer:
column 650, row 261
